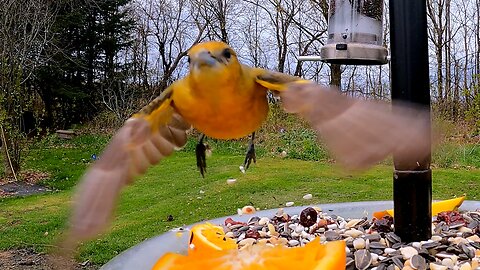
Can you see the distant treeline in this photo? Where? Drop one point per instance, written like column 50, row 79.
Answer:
column 64, row 62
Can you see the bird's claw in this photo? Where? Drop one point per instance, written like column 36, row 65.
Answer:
column 200, row 151
column 250, row 156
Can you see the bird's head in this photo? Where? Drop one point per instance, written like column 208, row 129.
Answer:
column 213, row 60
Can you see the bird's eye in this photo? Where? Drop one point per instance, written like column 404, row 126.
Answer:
column 227, row 54
column 188, row 59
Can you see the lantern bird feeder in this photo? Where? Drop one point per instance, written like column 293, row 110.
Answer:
column 355, row 33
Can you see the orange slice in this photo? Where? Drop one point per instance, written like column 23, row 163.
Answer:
column 437, row 207
column 312, row 256
column 207, row 237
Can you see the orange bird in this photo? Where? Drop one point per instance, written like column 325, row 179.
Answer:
column 225, row 99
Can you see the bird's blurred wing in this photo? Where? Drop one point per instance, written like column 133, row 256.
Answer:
column 145, row 138
column 275, row 81
column 360, row 133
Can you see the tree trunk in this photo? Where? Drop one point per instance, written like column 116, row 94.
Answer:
column 440, row 72
column 336, row 76
column 6, row 164
column 448, row 58
column 11, row 164
column 477, row 41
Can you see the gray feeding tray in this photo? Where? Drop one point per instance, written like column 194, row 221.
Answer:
column 144, row 255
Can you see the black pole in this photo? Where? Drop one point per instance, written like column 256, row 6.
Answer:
column 412, row 190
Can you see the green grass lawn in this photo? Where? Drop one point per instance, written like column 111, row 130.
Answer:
column 175, row 188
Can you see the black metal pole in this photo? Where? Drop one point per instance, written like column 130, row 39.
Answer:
column 412, row 190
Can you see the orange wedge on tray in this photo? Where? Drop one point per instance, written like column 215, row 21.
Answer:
column 312, row 256
column 208, row 237
column 437, row 207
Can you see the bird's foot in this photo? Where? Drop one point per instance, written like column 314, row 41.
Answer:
column 250, row 156
column 200, row 153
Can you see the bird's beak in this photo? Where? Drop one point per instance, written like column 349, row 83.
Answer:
column 204, row 58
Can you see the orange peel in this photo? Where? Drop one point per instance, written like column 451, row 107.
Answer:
column 437, row 207
column 312, row 256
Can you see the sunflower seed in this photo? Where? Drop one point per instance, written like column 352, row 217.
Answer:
column 382, row 266
column 436, row 266
column 470, row 252
column 418, row 262
column 350, row 261
column 430, row 245
column 374, row 237
column 391, row 267
column 363, row 259
column 393, row 238
column 307, row 196
column 253, row 220
column 359, row 243
column 377, row 245
column 398, row 261
column 332, row 236
column 293, row 243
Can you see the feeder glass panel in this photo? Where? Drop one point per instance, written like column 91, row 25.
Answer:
column 355, row 21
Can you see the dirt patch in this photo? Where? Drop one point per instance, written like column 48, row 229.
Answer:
column 27, row 186
column 27, row 259
column 13, row 189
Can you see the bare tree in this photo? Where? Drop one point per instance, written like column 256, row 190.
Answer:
column 312, row 29
column 436, row 33
column 252, row 34
column 477, row 38
column 280, row 14
column 282, row 20
column 165, row 31
column 321, row 8
column 173, row 28
column 448, row 55
column 24, row 33
column 217, row 14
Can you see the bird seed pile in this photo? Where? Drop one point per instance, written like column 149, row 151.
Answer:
column 371, row 244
